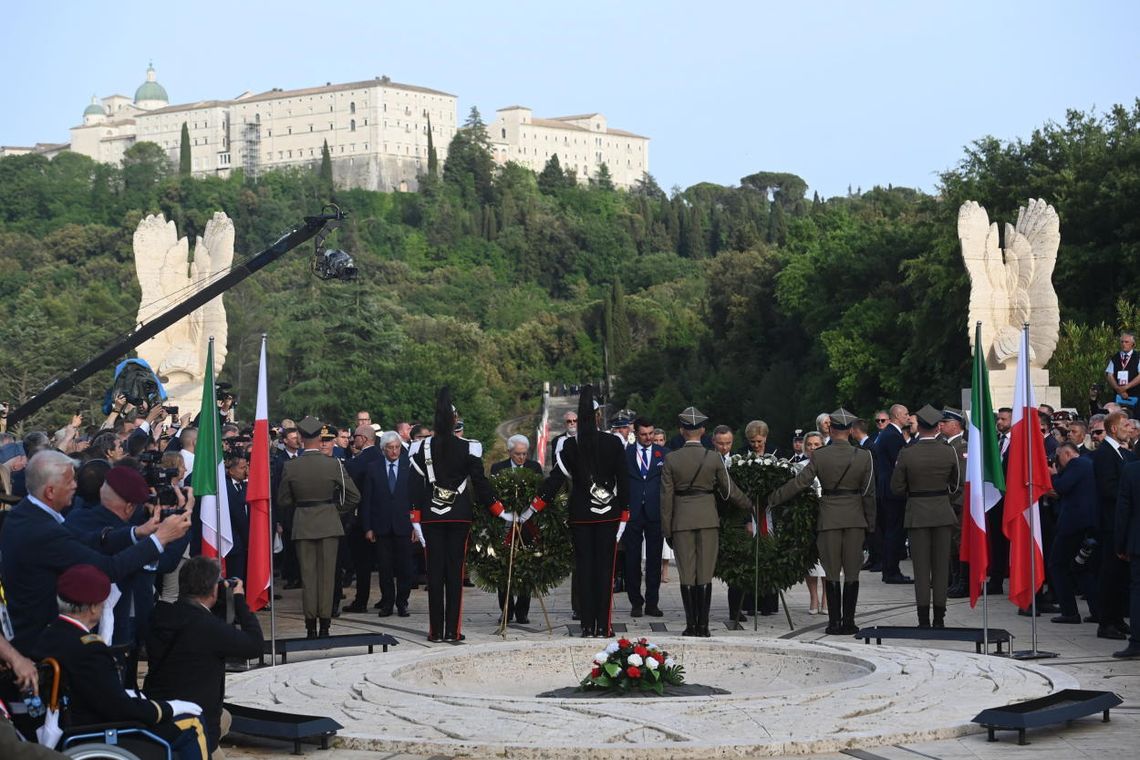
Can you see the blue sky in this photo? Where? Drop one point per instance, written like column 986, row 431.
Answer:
column 840, row 93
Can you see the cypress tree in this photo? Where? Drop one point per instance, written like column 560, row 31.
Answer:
column 326, row 173
column 433, row 159
column 184, row 165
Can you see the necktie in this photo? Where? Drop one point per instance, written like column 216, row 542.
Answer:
column 643, row 458
column 392, row 477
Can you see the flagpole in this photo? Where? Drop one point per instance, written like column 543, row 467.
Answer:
column 985, row 583
column 1032, row 521
column 272, row 535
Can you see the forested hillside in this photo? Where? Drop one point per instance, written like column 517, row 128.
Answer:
column 749, row 301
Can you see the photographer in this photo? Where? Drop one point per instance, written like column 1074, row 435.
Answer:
column 1073, row 561
column 188, row 643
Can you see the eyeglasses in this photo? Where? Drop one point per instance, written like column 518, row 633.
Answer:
column 882, row 421
column 1096, row 432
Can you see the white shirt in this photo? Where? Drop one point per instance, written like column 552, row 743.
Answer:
column 187, row 460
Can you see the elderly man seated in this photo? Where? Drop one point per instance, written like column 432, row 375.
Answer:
column 91, row 675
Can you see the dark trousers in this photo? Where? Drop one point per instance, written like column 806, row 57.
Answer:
column 999, row 544
column 519, row 605
column 394, row 562
column 342, row 562
column 595, row 545
column 1065, row 580
column 1134, row 598
column 290, row 565
column 446, row 554
column 1113, row 585
column 894, row 535
column 363, row 555
column 650, row 534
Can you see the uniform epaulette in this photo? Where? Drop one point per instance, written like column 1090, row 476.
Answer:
column 474, row 448
column 92, row 638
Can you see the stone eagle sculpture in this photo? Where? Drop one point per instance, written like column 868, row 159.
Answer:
column 167, row 276
column 1014, row 285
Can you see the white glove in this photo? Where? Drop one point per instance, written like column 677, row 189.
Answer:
column 527, row 514
column 419, row 532
column 621, row 530
column 182, row 707
column 507, row 516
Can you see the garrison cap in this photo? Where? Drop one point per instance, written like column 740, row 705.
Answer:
column 956, row 415
column 83, row 584
column 692, row 419
column 310, row 427
column 841, row 418
column 929, row 417
column 128, row 483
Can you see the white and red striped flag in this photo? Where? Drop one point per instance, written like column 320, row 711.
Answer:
column 1022, row 519
column 259, row 569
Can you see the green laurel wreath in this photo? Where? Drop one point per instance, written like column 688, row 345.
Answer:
column 786, row 556
column 539, row 567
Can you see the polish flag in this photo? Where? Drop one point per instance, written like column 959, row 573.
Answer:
column 1022, row 519
column 259, row 569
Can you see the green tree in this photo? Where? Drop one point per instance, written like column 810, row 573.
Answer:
column 777, row 225
column 184, row 162
column 602, row 179
column 433, row 159
column 552, row 178
column 325, row 173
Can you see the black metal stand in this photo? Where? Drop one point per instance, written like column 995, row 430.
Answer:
column 1062, row 707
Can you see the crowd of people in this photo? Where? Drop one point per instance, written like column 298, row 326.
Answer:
column 101, row 548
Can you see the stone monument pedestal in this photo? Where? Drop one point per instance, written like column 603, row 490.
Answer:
column 1003, row 383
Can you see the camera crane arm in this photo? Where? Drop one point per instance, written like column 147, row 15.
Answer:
column 300, row 234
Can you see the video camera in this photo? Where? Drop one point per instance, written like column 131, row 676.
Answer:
column 158, row 478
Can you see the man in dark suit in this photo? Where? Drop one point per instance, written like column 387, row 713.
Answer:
column 1074, row 480
column 237, row 473
column 570, row 420
column 1109, row 461
column 891, row 508
column 36, row 547
column 644, row 463
column 385, row 518
column 188, row 644
column 361, row 550
column 518, row 449
column 1126, row 533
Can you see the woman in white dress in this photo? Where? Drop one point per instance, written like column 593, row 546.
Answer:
column 817, row 602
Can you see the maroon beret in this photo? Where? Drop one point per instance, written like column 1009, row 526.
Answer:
column 83, row 584
column 128, row 483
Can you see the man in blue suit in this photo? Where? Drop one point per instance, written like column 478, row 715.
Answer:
column 385, row 517
column 1078, row 517
column 237, row 473
column 644, row 462
column 36, row 548
column 361, row 550
column 891, row 509
column 1109, row 461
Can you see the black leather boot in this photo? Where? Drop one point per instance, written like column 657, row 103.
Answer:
column 324, row 633
column 923, row 616
column 688, row 600
column 939, row 617
column 706, row 604
column 834, row 608
column 310, row 628
column 850, row 600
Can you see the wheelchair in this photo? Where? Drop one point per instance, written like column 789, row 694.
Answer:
column 104, row 741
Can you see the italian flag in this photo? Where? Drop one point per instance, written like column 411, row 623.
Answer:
column 984, row 478
column 1022, row 520
column 257, row 494
column 209, row 476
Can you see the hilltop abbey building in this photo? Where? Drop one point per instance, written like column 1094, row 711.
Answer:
column 376, row 130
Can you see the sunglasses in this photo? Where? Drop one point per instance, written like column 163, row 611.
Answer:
column 1096, row 432
column 882, row 421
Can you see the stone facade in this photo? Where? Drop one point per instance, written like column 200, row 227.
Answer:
column 582, row 143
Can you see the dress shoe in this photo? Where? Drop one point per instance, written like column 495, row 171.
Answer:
column 385, row 612
column 434, row 637
column 587, row 633
column 522, row 620
column 1069, row 619
column 1047, row 607
column 356, row 607
column 290, row 585
column 1130, row 651
column 739, row 617
column 897, row 579
column 278, row 596
column 957, row 592
column 403, row 611
column 324, row 632
column 378, row 605
column 636, row 612
column 1111, row 632
column 654, row 612
column 454, row 638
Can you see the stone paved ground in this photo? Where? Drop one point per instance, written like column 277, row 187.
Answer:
column 1082, row 655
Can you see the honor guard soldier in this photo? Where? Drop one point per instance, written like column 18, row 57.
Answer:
column 846, row 515
column 317, row 490
column 951, row 428
column 447, row 469
column 594, row 463
column 691, row 480
column 929, row 474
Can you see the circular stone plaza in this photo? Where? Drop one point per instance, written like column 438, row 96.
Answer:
column 791, row 690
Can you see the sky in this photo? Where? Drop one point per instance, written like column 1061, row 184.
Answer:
column 844, row 94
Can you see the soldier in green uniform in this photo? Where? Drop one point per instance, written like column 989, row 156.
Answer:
column 691, row 480
column 317, row 490
column 929, row 474
column 951, row 429
column 846, row 515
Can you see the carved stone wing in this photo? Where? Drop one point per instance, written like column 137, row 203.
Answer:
column 989, row 296
column 1041, row 227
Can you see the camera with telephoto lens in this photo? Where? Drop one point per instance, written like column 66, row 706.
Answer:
column 1088, row 546
column 158, row 478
